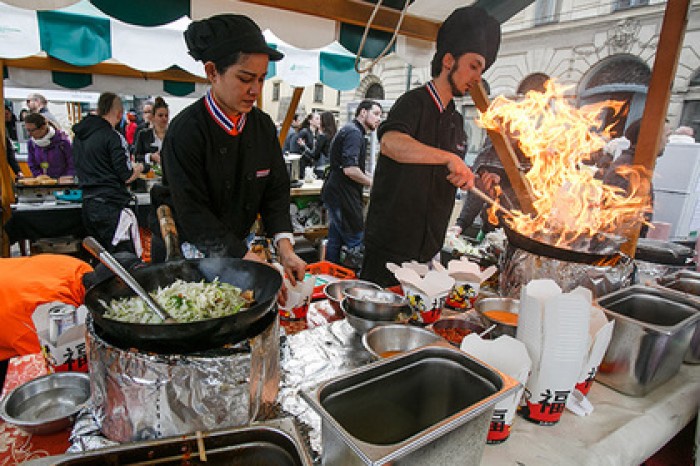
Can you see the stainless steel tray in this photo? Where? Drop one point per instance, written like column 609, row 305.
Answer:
column 653, row 329
column 428, row 406
column 270, row 443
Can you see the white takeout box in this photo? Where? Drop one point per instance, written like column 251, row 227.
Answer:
column 298, row 296
column 554, row 328
column 424, row 292
column 68, row 353
column 510, row 356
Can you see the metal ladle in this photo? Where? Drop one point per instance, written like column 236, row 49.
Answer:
column 113, row 264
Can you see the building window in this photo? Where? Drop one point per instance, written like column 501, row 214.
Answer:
column 318, row 93
column 375, row 92
column 546, row 12
column 625, row 4
column 533, row 82
column 337, row 99
column 275, row 92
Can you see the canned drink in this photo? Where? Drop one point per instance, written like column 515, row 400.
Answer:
column 61, row 318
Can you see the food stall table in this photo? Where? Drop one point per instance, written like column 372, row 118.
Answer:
column 35, row 221
column 622, row 430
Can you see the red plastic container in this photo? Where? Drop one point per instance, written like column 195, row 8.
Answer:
column 326, row 272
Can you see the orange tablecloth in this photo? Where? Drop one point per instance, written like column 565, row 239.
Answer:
column 17, row 446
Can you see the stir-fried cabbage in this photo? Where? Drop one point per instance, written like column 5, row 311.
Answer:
column 184, row 301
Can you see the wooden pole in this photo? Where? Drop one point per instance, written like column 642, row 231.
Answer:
column 521, row 187
column 293, row 104
column 653, row 120
column 7, row 193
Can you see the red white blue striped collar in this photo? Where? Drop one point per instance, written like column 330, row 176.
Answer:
column 230, row 126
column 434, row 94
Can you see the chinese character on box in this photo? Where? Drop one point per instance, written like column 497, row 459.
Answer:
column 61, row 331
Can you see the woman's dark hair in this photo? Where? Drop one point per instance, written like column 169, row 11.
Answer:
column 222, row 64
column 307, row 121
column 328, row 124
column 37, row 119
column 159, row 103
column 106, row 102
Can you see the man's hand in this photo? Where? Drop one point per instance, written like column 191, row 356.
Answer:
column 460, row 175
column 486, row 181
column 155, row 157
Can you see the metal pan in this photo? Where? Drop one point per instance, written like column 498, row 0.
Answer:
column 526, row 243
column 178, row 338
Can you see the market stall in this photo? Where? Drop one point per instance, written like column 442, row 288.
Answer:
column 622, row 358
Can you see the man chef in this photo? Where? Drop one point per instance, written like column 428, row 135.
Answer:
column 423, row 142
column 222, row 161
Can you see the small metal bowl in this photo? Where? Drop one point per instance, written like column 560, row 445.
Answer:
column 334, row 291
column 389, row 340
column 498, row 304
column 47, row 404
column 360, row 324
column 454, row 329
column 375, row 304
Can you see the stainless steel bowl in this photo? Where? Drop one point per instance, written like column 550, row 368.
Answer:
column 360, row 324
column 389, row 340
column 463, row 327
column 375, row 304
column 334, row 291
column 47, row 404
column 498, row 304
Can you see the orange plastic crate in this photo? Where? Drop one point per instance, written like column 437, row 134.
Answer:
column 325, row 271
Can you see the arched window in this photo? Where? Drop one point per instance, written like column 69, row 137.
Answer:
column 619, row 77
column 533, row 82
column 375, row 92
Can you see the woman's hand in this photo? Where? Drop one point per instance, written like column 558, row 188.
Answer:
column 294, row 267
column 155, row 157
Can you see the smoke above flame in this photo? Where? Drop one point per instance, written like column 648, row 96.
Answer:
column 572, row 208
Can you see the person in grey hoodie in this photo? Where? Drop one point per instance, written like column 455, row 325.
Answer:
column 104, row 169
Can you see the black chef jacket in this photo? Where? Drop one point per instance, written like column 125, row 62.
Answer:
column 219, row 183
column 410, row 204
column 348, row 149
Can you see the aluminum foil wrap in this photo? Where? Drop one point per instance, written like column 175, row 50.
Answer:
column 651, row 272
column 519, row 267
column 308, row 358
column 312, row 357
column 139, row 396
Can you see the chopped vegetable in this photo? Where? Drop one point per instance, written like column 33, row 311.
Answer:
column 184, row 301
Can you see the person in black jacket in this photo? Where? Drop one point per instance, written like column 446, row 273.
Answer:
column 423, row 142
column 104, row 169
column 150, row 141
column 222, row 161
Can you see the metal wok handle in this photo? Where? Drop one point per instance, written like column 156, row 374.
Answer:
column 113, row 264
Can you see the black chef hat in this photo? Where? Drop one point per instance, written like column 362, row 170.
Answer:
column 469, row 29
column 223, row 35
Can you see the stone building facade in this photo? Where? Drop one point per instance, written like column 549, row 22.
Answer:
column 600, row 48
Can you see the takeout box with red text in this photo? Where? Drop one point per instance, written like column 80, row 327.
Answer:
column 68, row 352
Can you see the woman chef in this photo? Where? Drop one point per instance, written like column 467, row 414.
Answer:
column 221, row 158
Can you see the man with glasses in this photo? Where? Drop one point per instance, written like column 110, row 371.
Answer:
column 37, row 103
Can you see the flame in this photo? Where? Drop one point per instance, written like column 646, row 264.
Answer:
column 572, row 208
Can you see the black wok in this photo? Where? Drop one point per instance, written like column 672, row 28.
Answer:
column 195, row 336
column 539, row 248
